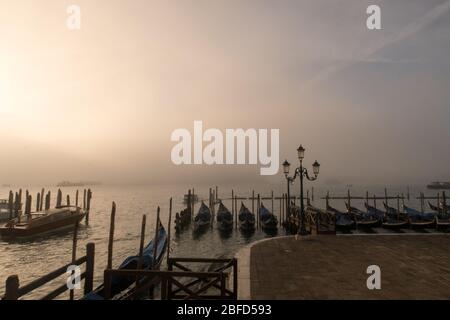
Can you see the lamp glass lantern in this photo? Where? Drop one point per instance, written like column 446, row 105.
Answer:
column 286, row 167
column 301, row 152
column 316, row 168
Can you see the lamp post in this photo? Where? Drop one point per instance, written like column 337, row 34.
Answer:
column 301, row 172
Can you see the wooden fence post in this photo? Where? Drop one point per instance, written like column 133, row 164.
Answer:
column 235, row 279
column 90, row 260
column 12, row 288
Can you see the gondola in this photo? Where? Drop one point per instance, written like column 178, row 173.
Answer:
column 203, row 218
column 224, row 218
column 440, row 208
column 246, row 219
column 122, row 287
column 419, row 219
column 343, row 221
column 364, row 219
column 391, row 220
column 442, row 217
column 267, row 220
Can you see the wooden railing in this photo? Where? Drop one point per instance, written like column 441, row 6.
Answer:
column 199, row 285
column 183, row 291
column 14, row 291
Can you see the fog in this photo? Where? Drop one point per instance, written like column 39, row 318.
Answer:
column 100, row 103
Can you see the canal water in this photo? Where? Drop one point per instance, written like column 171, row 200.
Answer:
column 32, row 258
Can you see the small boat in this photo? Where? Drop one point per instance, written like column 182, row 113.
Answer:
column 194, row 198
column 439, row 209
column 125, row 286
column 443, row 221
column 4, row 210
column 343, row 221
column 267, row 220
column 391, row 220
column 246, row 219
column 364, row 219
column 437, row 185
column 203, row 218
column 224, row 218
column 442, row 215
column 419, row 219
column 42, row 222
column 70, row 184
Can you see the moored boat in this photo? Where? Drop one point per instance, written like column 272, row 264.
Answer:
column 343, row 221
column 418, row 219
column 224, row 218
column 194, row 198
column 392, row 220
column 246, row 219
column 203, row 218
column 267, row 220
column 364, row 219
column 122, row 287
column 442, row 215
column 438, row 185
column 42, row 222
column 4, row 210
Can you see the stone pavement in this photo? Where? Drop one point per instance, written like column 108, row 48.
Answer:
column 334, row 267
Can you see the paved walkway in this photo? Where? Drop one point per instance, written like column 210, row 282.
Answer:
column 334, row 267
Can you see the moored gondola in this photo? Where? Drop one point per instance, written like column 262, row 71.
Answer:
column 343, row 221
column 122, row 287
column 267, row 220
column 203, row 218
column 364, row 219
column 391, row 220
column 418, row 219
column 246, row 219
column 442, row 216
column 224, row 218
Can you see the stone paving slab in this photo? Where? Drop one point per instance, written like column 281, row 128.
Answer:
column 334, row 267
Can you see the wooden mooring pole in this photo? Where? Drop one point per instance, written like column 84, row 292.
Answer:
column 141, row 252
column 38, row 202
column 111, row 235
column 169, row 232
column 42, row 199
column 74, row 252
column 11, row 205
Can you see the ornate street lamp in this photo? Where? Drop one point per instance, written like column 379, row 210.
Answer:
column 301, row 172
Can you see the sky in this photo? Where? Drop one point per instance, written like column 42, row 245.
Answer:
column 100, row 103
